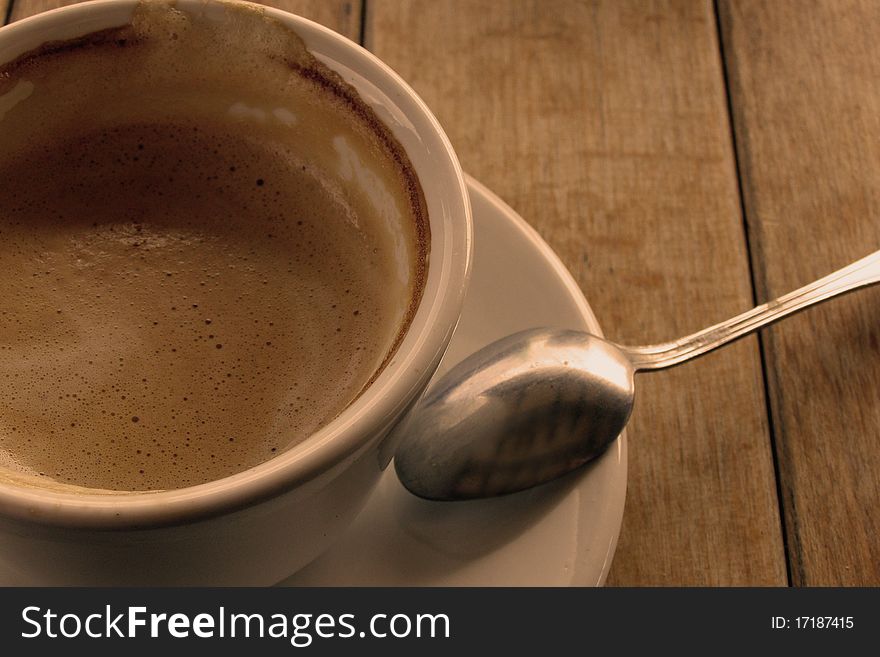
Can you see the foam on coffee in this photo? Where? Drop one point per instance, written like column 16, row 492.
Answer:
column 203, row 272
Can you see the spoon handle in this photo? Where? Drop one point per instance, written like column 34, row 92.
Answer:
column 861, row 273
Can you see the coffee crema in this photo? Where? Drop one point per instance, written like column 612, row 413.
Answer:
column 208, row 249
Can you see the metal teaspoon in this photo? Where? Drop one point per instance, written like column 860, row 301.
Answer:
column 537, row 404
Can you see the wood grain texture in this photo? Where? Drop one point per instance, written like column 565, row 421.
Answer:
column 344, row 16
column 805, row 84
column 605, row 125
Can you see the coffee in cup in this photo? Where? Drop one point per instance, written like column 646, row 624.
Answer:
column 205, row 259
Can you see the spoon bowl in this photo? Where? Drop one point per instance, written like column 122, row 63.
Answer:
column 503, row 419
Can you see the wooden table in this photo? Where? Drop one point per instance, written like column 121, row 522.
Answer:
column 687, row 160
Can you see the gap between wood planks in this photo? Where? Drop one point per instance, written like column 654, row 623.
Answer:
column 752, row 254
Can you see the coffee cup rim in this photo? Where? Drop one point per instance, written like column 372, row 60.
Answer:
column 323, row 455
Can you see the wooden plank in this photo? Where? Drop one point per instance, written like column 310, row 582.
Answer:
column 605, row 125
column 344, row 16
column 804, row 85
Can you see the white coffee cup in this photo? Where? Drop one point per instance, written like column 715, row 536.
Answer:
column 258, row 526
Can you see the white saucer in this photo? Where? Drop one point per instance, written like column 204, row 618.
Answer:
column 560, row 534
